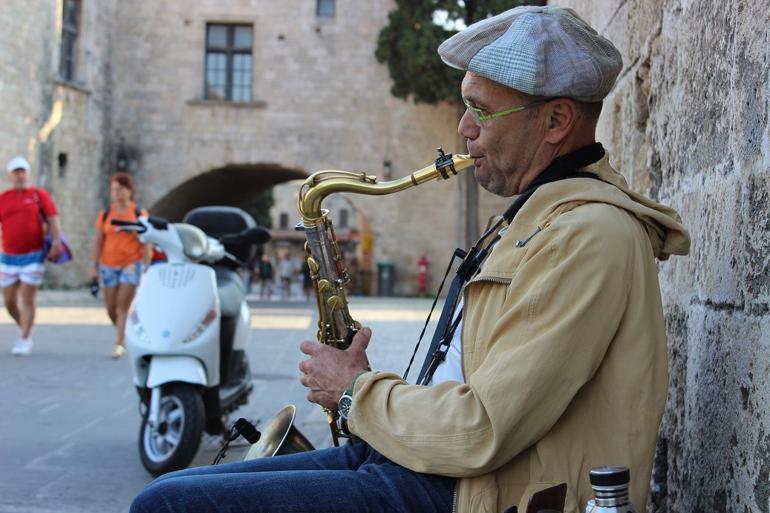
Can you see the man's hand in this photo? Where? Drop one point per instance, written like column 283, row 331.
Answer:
column 55, row 251
column 329, row 371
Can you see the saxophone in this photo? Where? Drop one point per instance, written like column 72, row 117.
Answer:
column 336, row 327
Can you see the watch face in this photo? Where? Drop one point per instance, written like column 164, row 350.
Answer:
column 344, row 405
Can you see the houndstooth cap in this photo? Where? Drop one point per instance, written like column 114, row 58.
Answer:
column 538, row 50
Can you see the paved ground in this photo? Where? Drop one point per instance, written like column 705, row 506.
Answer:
column 68, row 414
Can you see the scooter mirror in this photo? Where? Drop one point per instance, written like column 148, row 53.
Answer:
column 257, row 235
column 158, row 223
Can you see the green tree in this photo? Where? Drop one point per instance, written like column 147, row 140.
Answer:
column 414, row 31
column 260, row 206
column 408, row 45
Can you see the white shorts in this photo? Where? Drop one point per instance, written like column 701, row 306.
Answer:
column 27, row 268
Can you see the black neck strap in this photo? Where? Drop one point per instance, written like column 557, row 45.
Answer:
column 563, row 167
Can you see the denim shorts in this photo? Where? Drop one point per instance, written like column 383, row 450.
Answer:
column 113, row 276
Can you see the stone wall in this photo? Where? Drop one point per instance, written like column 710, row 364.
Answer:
column 688, row 125
column 61, row 127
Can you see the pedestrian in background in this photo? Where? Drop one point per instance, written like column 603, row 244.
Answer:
column 251, row 273
column 265, row 277
column 307, row 280
column 118, row 258
column 286, row 271
column 24, row 212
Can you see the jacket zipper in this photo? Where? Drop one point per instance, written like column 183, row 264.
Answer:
column 493, row 279
column 462, row 357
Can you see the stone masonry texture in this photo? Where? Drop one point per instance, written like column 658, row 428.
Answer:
column 62, row 128
column 688, row 125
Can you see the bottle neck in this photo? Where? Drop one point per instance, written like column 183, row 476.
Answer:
column 611, row 496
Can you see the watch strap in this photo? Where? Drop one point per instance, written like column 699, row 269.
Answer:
column 349, row 390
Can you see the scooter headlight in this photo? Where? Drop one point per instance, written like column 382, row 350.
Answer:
column 211, row 316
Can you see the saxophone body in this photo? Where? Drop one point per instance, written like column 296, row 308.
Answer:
column 336, row 327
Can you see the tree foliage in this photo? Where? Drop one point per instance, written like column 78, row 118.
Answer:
column 408, row 45
column 259, row 208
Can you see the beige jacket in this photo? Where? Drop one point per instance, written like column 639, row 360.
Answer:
column 564, row 355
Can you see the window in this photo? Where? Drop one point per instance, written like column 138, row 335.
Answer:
column 325, row 8
column 284, row 221
column 62, row 165
column 228, row 62
column 69, row 39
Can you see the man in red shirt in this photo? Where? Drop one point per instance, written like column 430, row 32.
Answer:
column 23, row 212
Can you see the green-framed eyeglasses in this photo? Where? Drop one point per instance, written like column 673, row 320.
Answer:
column 481, row 116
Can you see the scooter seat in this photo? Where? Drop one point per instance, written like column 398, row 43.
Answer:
column 231, row 291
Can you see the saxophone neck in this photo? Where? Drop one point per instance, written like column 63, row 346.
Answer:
column 323, row 183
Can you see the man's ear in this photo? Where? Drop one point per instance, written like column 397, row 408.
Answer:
column 562, row 116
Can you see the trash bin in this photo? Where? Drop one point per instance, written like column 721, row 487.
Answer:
column 386, row 278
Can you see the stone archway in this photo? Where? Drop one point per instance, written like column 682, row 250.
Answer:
column 233, row 185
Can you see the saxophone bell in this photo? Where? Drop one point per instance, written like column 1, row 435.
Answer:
column 280, row 437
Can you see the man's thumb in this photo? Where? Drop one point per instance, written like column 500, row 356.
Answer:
column 362, row 338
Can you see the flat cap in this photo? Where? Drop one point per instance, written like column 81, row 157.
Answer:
column 538, row 50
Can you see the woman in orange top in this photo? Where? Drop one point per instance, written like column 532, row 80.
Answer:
column 118, row 257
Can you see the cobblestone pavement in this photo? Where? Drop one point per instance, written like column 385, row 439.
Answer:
column 69, row 418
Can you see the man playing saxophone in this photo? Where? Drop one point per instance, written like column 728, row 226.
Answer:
column 560, row 351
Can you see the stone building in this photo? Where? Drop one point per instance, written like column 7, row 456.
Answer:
column 687, row 124
column 211, row 102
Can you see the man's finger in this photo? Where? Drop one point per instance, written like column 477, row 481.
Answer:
column 362, row 338
column 309, row 347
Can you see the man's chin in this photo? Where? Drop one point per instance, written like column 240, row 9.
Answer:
column 481, row 178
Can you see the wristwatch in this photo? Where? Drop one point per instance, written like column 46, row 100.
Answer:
column 344, row 404
column 346, row 400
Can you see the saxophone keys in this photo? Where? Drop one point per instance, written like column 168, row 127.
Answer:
column 313, row 265
column 334, row 302
column 324, row 285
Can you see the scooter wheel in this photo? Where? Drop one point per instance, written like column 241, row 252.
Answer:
column 174, row 444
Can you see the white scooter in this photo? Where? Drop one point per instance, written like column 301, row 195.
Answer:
column 187, row 331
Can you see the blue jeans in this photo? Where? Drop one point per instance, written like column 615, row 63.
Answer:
column 353, row 478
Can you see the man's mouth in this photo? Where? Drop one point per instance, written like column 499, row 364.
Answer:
column 475, row 155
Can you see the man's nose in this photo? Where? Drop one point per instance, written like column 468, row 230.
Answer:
column 467, row 128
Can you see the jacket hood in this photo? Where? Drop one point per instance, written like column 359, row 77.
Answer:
column 663, row 225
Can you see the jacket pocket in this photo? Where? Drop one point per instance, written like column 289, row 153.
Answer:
column 569, row 503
